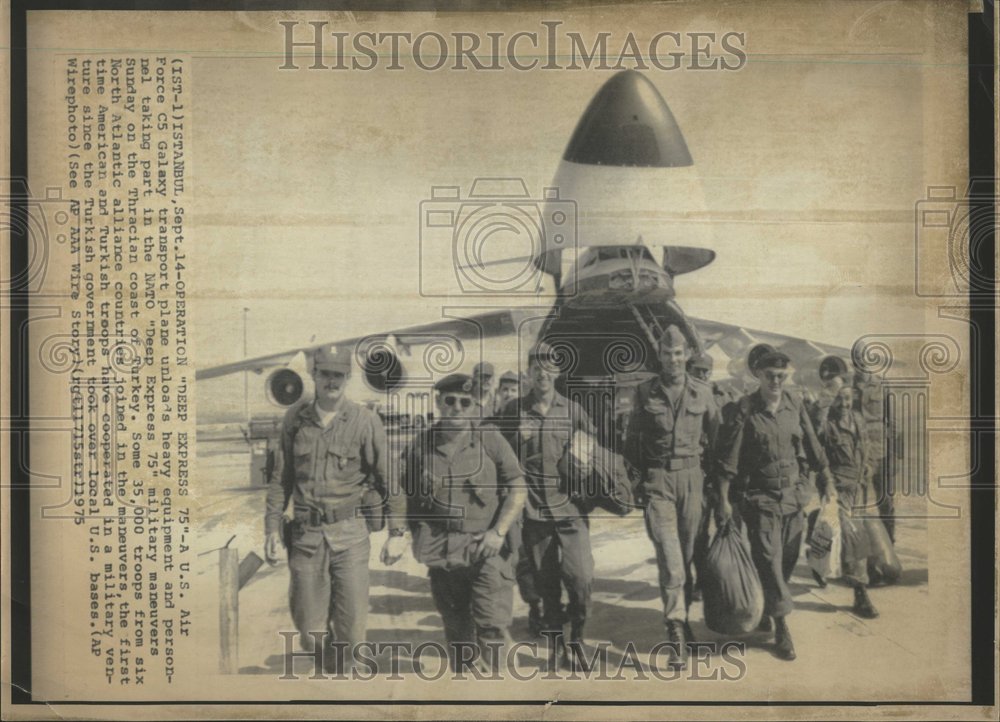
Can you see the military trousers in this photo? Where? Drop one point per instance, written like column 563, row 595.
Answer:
column 673, row 515
column 328, row 592
column 560, row 556
column 775, row 542
column 852, row 497
column 476, row 605
column 883, row 492
column 523, row 569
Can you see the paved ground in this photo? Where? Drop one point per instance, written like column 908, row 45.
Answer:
column 840, row 655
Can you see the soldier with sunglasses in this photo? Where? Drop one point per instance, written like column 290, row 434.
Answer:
column 765, row 451
column 465, row 490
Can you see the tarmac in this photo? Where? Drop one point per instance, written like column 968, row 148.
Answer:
column 840, row 656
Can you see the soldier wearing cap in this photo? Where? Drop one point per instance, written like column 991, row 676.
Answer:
column 841, row 430
column 465, row 490
column 765, row 450
column 673, row 419
column 333, row 486
column 699, row 367
column 508, row 389
column 556, row 531
column 482, row 388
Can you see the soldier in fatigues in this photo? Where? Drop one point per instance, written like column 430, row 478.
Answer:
column 671, row 417
column 699, row 368
column 841, row 430
column 333, row 474
column 465, row 490
column 767, row 447
column 482, row 388
column 508, row 390
column 881, row 441
column 556, row 531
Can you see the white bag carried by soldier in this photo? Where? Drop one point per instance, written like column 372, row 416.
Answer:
column 824, row 541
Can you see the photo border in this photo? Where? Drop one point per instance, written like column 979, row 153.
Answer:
column 981, row 69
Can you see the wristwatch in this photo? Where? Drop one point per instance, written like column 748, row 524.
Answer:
column 397, row 532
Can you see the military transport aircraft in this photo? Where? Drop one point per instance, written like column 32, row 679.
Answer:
column 613, row 298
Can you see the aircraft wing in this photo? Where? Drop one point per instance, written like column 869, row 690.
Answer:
column 736, row 338
column 735, row 342
column 487, row 325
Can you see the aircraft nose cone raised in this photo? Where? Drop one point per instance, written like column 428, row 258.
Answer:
column 628, row 124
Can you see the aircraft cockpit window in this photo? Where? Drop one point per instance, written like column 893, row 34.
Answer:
column 614, row 253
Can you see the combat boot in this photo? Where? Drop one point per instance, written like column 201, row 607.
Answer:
column 677, row 636
column 577, row 651
column 863, row 606
column 556, row 641
column 783, row 646
column 765, row 625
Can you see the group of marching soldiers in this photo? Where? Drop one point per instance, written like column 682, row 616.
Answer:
column 499, row 488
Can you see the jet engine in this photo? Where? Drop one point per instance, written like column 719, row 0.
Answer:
column 285, row 387
column 383, row 370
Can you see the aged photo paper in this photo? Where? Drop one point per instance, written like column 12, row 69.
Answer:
column 277, row 263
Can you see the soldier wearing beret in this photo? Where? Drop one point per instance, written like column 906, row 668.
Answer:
column 333, row 488
column 765, row 451
column 556, row 531
column 465, row 490
column 673, row 420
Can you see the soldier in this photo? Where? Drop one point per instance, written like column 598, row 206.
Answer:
column 671, row 418
column 832, row 376
column 508, row 389
column 334, row 455
column 482, row 388
column 465, row 491
column 880, row 433
column 766, row 448
column 841, row 430
column 699, row 367
column 556, row 530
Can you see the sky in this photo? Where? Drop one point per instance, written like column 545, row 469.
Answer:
column 308, row 184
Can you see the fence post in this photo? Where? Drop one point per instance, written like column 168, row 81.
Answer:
column 229, row 610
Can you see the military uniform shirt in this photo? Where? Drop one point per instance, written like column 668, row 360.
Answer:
column 455, row 488
column 660, row 430
column 326, row 469
column 757, row 444
column 540, row 441
column 845, row 445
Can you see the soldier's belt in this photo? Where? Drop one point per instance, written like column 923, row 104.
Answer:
column 674, row 464
column 457, row 524
column 317, row 517
column 776, row 481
